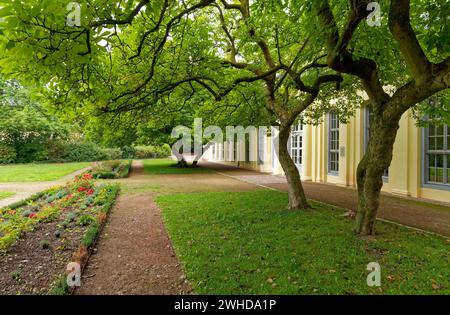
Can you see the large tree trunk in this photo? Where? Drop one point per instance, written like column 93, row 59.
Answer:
column 370, row 172
column 177, row 151
column 199, row 156
column 297, row 198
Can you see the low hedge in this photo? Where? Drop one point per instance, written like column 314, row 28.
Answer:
column 152, row 152
column 59, row 151
column 111, row 169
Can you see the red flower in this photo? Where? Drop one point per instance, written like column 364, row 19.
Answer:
column 87, row 176
column 80, row 189
column 90, row 192
column 32, row 215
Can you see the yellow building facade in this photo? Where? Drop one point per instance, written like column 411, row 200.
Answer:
column 331, row 151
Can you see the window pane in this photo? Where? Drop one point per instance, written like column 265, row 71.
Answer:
column 431, row 175
column 440, row 175
column 432, row 143
column 440, row 130
column 440, row 160
column 440, row 143
column 432, row 130
column 432, row 160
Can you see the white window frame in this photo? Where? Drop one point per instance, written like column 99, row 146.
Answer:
column 296, row 145
column 333, row 134
column 445, row 152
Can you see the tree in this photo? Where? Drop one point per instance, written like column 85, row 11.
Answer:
column 25, row 127
column 289, row 68
column 411, row 55
column 131, row 57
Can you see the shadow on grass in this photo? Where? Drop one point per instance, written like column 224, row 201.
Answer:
column 167, row 166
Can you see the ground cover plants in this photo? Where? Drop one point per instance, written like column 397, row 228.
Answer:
column 41, row 235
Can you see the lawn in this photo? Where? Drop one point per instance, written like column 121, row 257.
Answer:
column 166, row 166
column 5, row 194
column 248, row 243
column 38, row 172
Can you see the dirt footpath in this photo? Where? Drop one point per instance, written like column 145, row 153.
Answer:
column 134, row 254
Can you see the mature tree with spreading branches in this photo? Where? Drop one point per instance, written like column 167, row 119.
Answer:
column 139, row 56
column 400, row 64
column 133, row 57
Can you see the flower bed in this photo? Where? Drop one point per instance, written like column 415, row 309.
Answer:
column 111, row 169
column 41, row 235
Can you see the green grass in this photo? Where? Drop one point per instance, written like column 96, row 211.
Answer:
column 5, row 194
column 38, row 172
column 248, row 243
column 166, row 166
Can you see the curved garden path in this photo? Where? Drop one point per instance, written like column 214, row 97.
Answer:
column 25, row 190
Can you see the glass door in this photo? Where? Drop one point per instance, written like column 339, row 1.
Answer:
column 297, row 145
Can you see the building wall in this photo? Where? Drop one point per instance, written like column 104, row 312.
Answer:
column 405, row 173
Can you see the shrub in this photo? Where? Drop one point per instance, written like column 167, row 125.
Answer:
column 110, row 165
column 112, row 169
column 128, row 152
column 84, row 151
column 56, row 151
column 164, row 150
column 112, row 154
column 145, row 152
column 29, row 152
column 151, row 152
column 124, row 169
column 7, row 154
